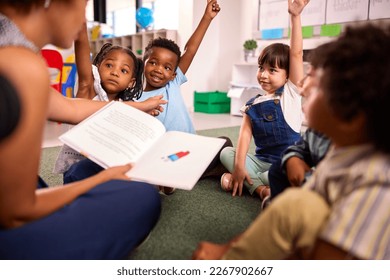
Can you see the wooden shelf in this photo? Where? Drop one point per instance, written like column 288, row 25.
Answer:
column 136, row 42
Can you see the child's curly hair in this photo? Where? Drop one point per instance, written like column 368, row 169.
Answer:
column 134, row 92
column 163, row 43
column 356, row 71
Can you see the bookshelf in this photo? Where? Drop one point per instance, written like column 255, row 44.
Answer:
column 136, row 42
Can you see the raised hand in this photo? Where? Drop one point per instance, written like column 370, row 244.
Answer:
column 212, row 8
column 295, row 7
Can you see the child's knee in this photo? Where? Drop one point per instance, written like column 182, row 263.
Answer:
column 304, row 210
column 227, row 154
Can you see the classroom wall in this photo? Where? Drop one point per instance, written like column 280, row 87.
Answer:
column 221, row 47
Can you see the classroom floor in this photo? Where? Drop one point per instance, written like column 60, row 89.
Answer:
column 201, row 121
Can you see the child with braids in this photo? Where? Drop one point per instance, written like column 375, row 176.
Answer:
column 117, row 75
column 114, row 74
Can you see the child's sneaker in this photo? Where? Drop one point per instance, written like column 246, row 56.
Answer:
column 225, row 180
column 166, row 190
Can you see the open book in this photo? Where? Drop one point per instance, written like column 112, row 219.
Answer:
column 118, row 134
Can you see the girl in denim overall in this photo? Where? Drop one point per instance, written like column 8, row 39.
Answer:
column 273, row 119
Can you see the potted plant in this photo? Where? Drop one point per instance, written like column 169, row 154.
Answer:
column 250, row 47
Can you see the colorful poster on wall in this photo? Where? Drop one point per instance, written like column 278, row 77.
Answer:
column 379, row 9
column 338, row 11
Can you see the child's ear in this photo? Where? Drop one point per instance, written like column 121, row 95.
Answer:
column 173, row 76
column 132, row 82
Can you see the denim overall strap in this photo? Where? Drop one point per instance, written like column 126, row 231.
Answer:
column 271, row 133
column 250, row 101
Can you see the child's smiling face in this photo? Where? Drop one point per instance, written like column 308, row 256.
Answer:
column 160, row 68
column 271, row 78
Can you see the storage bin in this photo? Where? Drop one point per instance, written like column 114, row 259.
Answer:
column 215, row 102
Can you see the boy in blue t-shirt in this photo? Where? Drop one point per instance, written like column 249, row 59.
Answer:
column 165, row 70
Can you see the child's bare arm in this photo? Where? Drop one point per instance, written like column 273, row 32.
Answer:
column 75, row 110
column 190, row 49
column 295, row 8
column 152, row 105
column 240, row 174
column 84, row 66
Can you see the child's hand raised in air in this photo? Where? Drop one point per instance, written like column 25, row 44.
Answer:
column 295, row 7
column 212, row 8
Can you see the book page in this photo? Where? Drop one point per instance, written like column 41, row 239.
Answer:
column 115, row 135
column 177, row 160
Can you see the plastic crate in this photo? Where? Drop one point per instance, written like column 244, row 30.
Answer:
column 215, row 102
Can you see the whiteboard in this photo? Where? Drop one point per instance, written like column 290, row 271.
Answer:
column 379, row 9
column 338, row 11
column 274, row 14
column 314, row 13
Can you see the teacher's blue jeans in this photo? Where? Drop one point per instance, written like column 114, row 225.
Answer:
column 83, row 169
column 108, row 222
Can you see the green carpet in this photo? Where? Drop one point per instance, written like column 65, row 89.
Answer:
column 187, row 217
